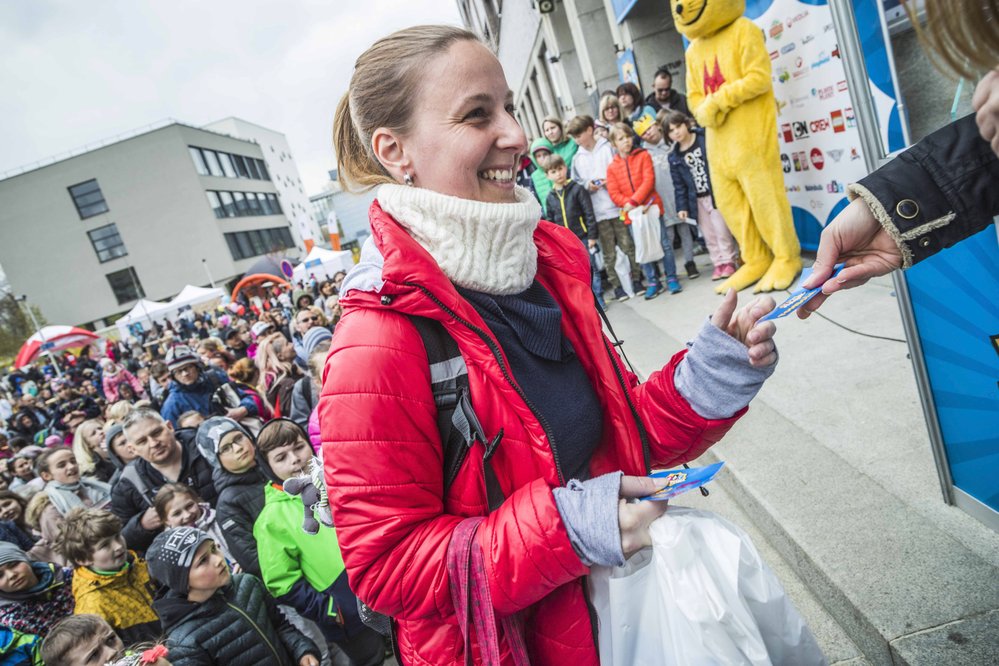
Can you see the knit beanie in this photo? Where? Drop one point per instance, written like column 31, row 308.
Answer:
column 11, row 553
column 111, row 433
column 313, row 337
column 210, row 434
column 171, row 554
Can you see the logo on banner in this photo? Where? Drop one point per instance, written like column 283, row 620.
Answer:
column 803, row 158
column 836, row 53
column 820, row 125
column 854, row 155
column 818, row 161
column 835, row 154
column 774, row 54
column 806, row 39
column 783, row 75
column 800, row 128
column 785, row 129
column 784, row 50
column 799, row 101
column 776, row 30
column 834, row 187
column 823, row 93
column 815, row 204
column 851, row 120
column 828, row 27
column 837, row 121
column 792, row 188
column 780, row 106
column 841, row 86
column 814, row 188
column 785, row 162
column 797, row 18
column 800, row 70
column 823, row 59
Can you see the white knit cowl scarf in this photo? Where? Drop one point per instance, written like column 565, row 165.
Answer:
column 486, row 247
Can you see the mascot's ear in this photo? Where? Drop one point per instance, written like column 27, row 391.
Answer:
column 698, row 18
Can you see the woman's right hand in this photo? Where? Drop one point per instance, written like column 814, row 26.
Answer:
column 634, row 518
column 682, row 215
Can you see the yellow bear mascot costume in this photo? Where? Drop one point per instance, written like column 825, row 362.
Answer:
column 731, row 95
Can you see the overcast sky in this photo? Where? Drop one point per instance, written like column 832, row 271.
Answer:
column 78, row 72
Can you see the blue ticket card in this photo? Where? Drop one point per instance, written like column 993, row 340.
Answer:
column 679, row 481
column 798, row 297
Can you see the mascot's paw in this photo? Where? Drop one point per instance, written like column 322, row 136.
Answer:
column 742, row 278
column 779, row 276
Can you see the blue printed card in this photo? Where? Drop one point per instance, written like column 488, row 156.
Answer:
column 679, row 481
column 798, row 297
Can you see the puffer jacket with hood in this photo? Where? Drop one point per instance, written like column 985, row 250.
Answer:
column 36, row 610
column 198, row 396
column 239, row 624
column 632, row 180
column 383, row 457
column 140, row 481
column 542, row 186
column 240, row 500
column 124, row 599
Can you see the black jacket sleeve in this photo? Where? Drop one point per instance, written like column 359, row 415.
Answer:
column 296, row 642
column 239, row 536
column 586, row 206
column 128, row 504
column 938, row 192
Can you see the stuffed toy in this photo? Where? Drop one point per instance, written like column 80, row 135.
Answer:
column 311, row 489
column 730, row 93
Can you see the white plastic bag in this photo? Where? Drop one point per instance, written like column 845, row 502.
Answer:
column 645, row 231
column 622, row 266
column 701, row 595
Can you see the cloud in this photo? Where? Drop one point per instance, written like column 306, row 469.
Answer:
column 75, row 73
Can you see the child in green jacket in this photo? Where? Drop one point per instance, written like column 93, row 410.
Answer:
column 304, row 570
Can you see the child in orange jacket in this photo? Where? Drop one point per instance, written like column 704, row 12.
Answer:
column 631, row 182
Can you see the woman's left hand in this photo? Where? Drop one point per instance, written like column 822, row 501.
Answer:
column 986, row 105
column 742, row 325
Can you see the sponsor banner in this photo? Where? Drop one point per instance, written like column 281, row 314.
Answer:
column 816, row 126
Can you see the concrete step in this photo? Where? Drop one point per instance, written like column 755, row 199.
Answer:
column 832, row 464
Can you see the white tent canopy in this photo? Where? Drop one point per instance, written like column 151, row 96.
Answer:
column 323, row 264
column 145, row 312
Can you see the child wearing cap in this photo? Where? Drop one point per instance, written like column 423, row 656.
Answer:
column 179, row 505
column 109, row 580
column 33, row 595
column 211, row 616
column 81, row 640
column 302, row 570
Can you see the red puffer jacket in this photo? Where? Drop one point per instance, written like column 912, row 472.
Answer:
column 384, row 463
column 632, row 180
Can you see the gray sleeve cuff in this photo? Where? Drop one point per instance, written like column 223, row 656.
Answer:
column 715, row 376
column 589, row 512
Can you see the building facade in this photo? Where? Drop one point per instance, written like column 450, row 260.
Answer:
column 558, row 63
column 348, row 209
column 85, row 237
column 283, row 171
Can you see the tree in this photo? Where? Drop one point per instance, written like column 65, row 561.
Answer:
column 15, row 325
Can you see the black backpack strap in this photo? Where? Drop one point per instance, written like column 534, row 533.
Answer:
column 457, row 423
column 610, row 329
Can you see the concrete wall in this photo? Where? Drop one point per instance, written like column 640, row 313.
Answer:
column 156, row 199
column 656, row 42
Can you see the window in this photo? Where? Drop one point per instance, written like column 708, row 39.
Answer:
column 107, row 243
column 199, row 161
column 252, row 205
column 227, row 167
column 227, row 204
column 246, row 244
column 251, row 165
column 125, row 285
column 88, row 199
column 275, row 205
column 240, row 165
column 240, row 204
column 216, row 204
column 214, row 168
column 265, row 204
column 263, row 170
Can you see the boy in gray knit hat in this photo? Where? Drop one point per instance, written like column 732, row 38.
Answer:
column 213, row 616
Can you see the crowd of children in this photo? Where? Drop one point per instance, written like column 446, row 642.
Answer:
column 595, row 177
column 144, row 517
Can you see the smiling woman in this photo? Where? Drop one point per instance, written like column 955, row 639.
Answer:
column 463, row 286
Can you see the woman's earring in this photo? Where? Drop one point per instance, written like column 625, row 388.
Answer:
column 407, row 178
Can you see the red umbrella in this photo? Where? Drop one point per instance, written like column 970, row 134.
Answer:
column 52, row 339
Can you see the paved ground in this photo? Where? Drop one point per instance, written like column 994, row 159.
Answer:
column 833, row 466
